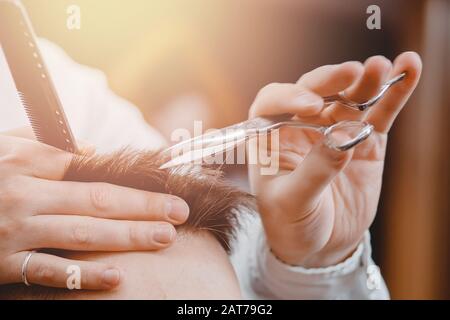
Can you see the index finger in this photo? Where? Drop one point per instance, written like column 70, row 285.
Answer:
column 31, row 158
column 22, row 132
column 385, row 112
column 281, row 98
column 304, row 99
column 27, row 133
column 108, row 201
column 332, row 79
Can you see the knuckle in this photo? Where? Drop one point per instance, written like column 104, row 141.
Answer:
column 10, row 164
column 262, row 95
column 13, row 160
column 269, row 88
column 17, row 155
column 135, row 235
column 44, row 273
column 100, row 197
column 334, row 158
column 150, row 204
column 379, row 59
column 92, row 277
column 338, row 159
column 82, row 235
column 156, row 205
column 11, row 195
column 9, row 227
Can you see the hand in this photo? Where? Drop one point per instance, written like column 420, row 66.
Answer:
column 38, row 210
column 316, row 210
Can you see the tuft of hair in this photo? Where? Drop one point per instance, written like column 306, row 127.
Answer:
column 214, row 203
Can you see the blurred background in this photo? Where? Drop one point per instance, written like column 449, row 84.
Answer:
column 181, row 61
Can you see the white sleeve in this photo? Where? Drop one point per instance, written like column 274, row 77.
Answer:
column 263, row 276
column 96, row 114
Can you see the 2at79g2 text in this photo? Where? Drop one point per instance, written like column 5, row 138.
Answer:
column 237, row 309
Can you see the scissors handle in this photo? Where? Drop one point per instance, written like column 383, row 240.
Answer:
column 343, row 100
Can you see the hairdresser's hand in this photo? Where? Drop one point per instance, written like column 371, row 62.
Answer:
column 316, row 209
column 38, row 210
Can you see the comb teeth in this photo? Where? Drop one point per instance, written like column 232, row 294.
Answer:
column 35, row 124
column 35, row 88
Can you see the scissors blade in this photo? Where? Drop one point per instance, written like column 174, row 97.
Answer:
column 202, row 154
column 216, row 137
column 220, row 141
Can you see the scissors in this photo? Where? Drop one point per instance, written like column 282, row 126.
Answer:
column 204, row 146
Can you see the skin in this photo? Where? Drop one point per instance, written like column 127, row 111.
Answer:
column 316, row 210
column 72, row 216
column 194, row 267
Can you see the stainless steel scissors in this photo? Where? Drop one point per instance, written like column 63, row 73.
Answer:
column 342, row 99
column 220, row 141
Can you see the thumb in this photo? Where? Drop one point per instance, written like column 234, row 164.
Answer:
column 305, row 185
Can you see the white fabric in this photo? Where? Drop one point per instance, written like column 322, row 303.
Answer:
column 99, row 116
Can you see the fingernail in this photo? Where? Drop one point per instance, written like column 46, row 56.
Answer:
column 177, row 210
column 308, row 99
column 163, row 234
column 111, row 277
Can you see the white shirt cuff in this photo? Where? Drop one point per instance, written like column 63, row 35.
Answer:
column 355, row 278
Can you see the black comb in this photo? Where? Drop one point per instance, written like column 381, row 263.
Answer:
column 33, row 82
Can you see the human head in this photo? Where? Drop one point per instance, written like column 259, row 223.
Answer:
column 197, row 264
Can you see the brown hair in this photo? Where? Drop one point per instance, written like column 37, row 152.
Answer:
column 214, row 204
